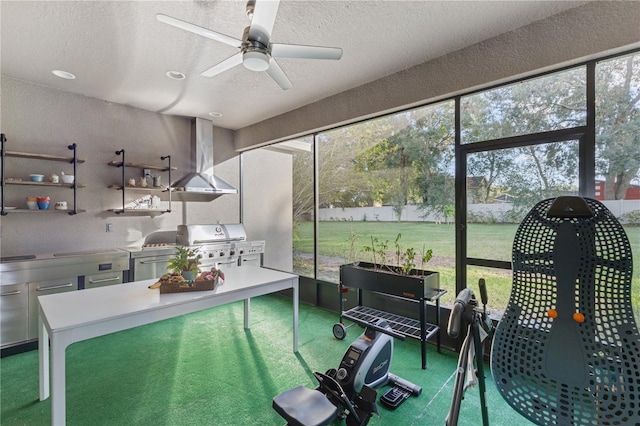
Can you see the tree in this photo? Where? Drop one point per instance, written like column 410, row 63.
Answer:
column 302, row 192
column 492, row 165
column 419, row 159
column 527, row 174
column 344, row 183
column 618, row 124
column 555, row 102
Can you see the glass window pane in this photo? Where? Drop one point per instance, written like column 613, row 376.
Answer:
column 503, row 185
column 498, row 283
column 618, row 150
column 552, row 102
column 388, row 177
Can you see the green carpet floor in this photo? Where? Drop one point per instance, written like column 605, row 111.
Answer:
column 205, row 369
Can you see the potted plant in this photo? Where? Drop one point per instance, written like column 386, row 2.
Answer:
column 395, row 274
column 185, row 274
column 186, row 262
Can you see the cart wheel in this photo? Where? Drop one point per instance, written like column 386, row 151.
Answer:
column 339, row 330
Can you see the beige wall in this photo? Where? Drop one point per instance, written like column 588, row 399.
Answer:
column 569, row 37
column 42, row 120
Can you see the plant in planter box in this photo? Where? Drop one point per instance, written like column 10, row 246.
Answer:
column 405, row 258
column 186, row 262
column 400, row 279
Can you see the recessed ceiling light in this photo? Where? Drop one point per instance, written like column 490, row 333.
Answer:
column 175, row 75
column 215, row 114
column 63, row 74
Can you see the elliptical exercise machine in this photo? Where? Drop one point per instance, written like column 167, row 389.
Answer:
column 479, row 328
column 349, row 392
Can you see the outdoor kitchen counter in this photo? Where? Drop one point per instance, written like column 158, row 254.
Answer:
column 67, row 318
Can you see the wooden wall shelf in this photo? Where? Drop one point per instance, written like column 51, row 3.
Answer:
column 115, row 163
column 43, row 157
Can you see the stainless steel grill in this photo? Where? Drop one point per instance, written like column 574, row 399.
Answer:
column 222, row 246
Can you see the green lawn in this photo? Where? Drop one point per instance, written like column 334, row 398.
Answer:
column 342, row 242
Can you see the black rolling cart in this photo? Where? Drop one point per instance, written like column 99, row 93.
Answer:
column 420, row 289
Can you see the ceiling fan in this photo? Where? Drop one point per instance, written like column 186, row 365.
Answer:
column 257, row 53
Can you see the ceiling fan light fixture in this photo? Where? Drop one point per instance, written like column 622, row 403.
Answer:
column 255, row 61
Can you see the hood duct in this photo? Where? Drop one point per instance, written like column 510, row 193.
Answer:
column 201, row 184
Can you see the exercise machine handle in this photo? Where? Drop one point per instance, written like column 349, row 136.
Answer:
column 459, row 307
column 483, row 291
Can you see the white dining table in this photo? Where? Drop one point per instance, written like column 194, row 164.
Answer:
column 66, row 318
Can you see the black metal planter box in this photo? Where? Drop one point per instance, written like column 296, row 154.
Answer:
column 419, row 286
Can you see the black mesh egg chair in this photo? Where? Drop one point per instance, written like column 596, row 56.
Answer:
column 567, row 350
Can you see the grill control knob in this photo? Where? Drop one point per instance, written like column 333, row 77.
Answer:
column 221, row 254
column 231, row 253
column 210, row 254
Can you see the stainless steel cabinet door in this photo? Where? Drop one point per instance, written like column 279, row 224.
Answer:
column 102, row 279
column 41, row 288
column 151, row 267
column 14, row 313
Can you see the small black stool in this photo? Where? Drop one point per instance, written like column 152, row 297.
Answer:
column 302, row 406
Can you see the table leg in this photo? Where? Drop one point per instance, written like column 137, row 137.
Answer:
column 295, row 314
column 58, row 376
column 43, row 357
column 247, row 314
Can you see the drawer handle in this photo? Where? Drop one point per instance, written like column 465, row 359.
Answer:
column 53, row 287
column 104, row 280
column 144, row 262
column 11, row 293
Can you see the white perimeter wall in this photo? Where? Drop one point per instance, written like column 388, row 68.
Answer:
column 413, row 214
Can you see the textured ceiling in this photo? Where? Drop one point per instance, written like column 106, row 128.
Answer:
column 120, row 52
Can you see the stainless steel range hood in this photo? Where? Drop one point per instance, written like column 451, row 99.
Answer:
column 201, row 184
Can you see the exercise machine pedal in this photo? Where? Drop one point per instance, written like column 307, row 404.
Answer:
column 394, row 397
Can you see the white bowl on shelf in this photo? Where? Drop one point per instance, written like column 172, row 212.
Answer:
column 68, row 178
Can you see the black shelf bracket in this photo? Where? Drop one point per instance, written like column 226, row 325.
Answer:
column 168, row 158
column 121, row 152
column 3, row 139
column 74, row 161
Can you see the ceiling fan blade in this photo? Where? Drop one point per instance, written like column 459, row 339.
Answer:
column 187, row 26
column 264, row 15
column 299, row 51
column 276, row 73
column 221, row 67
